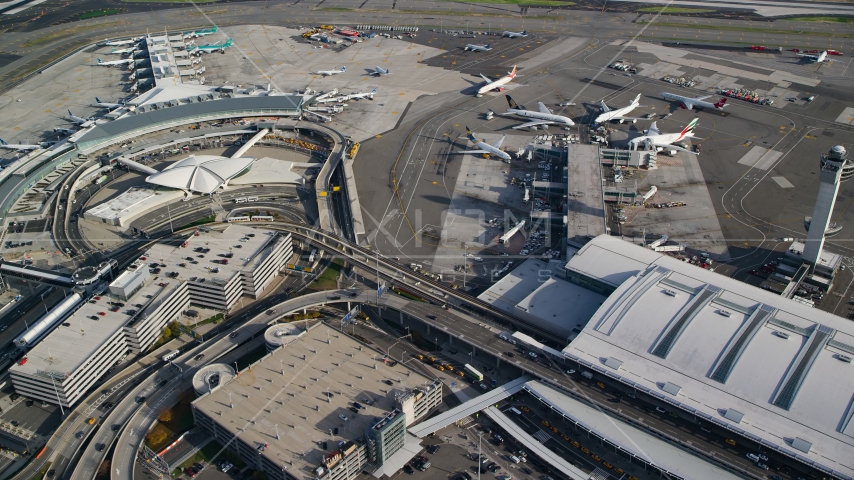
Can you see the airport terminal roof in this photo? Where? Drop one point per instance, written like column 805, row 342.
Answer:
column 200, row 174
column 738, row 356
column 532, row 289
column 325, row 372
column 202, row 106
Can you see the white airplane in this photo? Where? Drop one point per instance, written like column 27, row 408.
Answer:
column 115, row 63
column 379, row 72
column 117, row 43
column 820, row 58
column 99, row 103
column 655, row 139
column 329, row 72
column 497, row 84
column 122, row 51
column 64, row 131
column 524, row 33
column 478, row 48
column 19, row 147
column 689, row 103
column 486, row 148
column 360, row 95
column 543, row 115
column 608, row 115
column 83, row 122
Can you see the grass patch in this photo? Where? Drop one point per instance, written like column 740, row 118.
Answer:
column 98, row 13
column 215, row 319
column 211, row 453
column 732, row 28
column 821, row 19
column 541, row 3
column 63, row 34
column 328, row 280
column 198, row 222
column 42, row 471
column 674, row 10
column 164, row 433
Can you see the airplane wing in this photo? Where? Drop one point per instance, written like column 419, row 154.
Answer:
column 702, row 97
column 500, row 141
column 604, row 107
column 627, row 118
column 533, row 124
column 674, row 147
column 652, row 131
column 543, row 108
column 485, row 79
column 466, row 152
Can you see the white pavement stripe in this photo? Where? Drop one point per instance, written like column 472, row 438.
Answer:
column 782, row 182
column 760, row 157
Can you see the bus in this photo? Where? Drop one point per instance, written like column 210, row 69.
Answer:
column 240, row 200
column 171, row 355
column 252, row 199
column 262, row 218
column 473, row 373
column 238, row 219
column 313, row 255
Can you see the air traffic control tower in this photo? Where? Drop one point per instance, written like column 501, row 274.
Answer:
column 834, row 169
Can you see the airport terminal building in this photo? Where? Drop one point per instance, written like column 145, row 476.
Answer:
column 211, row 269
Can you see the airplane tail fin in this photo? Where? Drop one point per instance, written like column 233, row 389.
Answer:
column 100, row 61
column 374, row 90
column 2, row 142
column 69, row 113
column 487, row 45
column 720, row 103
column 689, row 129
column 470, row 135
column 512, row 103
column 513, row 73
column 97, row 100
column 343, row 69
column 524, row 32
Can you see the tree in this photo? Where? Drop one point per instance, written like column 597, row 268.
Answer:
column 165, row 415
column 156, row 436
column 167, row 333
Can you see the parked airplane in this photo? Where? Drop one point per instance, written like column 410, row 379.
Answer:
column 524, row 33
column 64, row 131
column 99, row 103
column 201, row 33
column 655, row 139
column 478, row 48
column 379, row 72
column 820, row 58
column 115, row 63
column 360, row 95
column 486, row 148
column 608, row 115
column 122, row 51
column 83, row 122
column 543, row 116
column 326, row 73
column 689, row 103
column 219, row 46
column 497, row 84
column 116, row 43
column 19, row 147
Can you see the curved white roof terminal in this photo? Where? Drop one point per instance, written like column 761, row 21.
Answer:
column 200, row 174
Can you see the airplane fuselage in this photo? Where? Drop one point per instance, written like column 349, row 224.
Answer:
column 551, row 117
column 608, row 116
column 689, row 103
column 492, row 150
column 496, row 85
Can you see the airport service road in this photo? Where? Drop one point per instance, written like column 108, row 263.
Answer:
column 483, row 339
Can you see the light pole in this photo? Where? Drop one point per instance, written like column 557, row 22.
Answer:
column 277, row 430
column 465, row 265
column 479, row 463
column 402, row 355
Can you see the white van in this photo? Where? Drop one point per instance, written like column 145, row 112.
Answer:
column 503, row 337
column 514, row 459
column 515, row 410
